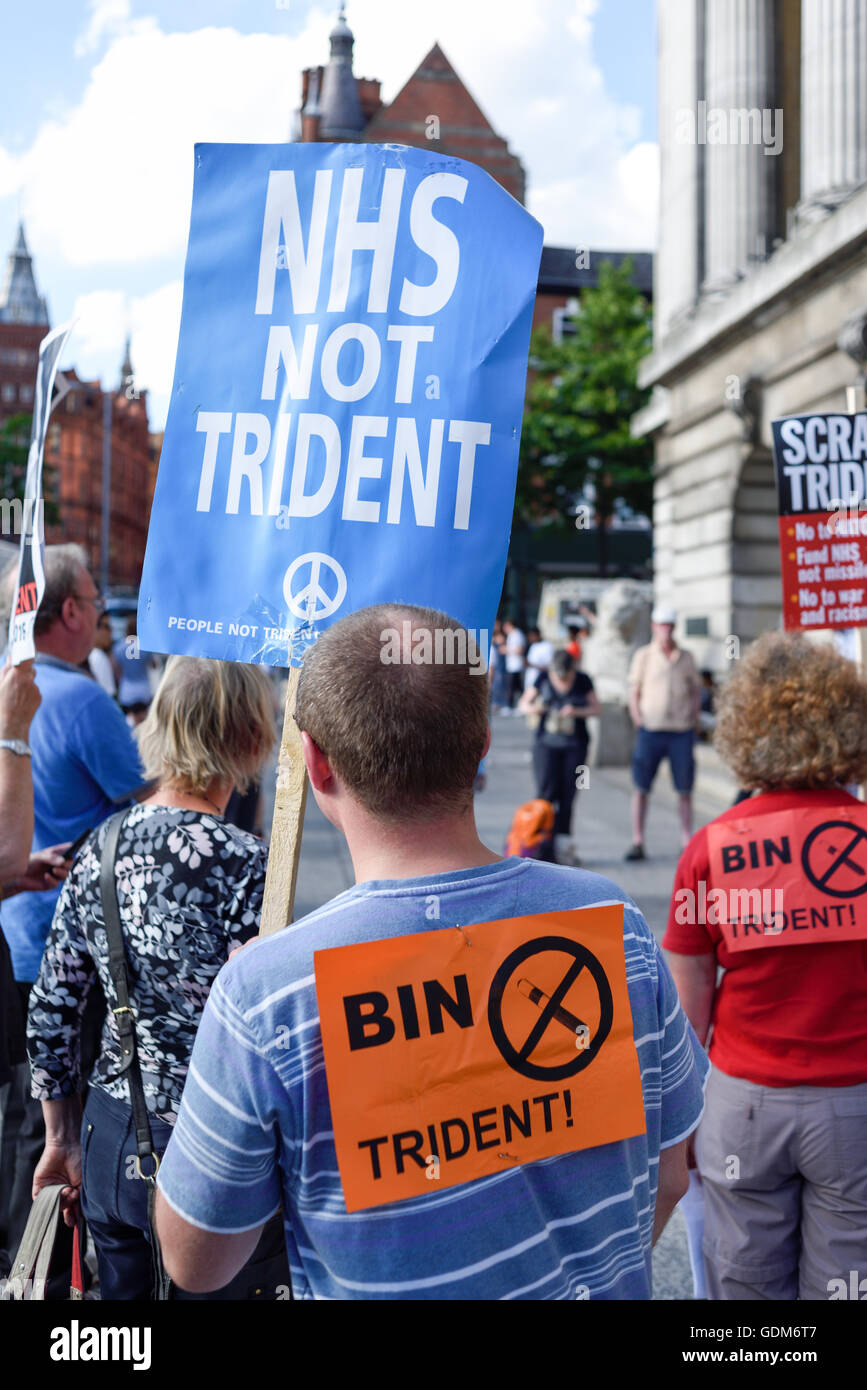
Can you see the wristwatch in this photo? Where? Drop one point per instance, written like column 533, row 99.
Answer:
column 16, row 745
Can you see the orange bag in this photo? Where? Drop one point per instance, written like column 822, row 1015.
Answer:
column 531, row 835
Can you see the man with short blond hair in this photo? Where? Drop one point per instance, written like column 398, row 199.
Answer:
column 392, row 749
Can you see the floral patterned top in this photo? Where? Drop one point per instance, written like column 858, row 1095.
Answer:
column 189, row 890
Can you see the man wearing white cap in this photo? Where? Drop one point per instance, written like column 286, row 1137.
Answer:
column 664, row 699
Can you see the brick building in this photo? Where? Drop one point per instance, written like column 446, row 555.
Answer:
column 434, row 110
column 74, row 447
column 23, row 325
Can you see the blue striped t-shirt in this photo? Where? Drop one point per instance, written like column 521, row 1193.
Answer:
column 255, row 1129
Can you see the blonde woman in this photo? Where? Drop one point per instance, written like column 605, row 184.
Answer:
column 189, row 889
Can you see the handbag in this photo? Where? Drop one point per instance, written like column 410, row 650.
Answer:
column 30, row 1268
column 559, row 723
column 266, row 1273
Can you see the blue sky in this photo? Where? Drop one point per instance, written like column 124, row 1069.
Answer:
column 103, row 101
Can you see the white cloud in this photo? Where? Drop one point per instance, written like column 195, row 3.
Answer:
column 108, row 182
column 544, row 107
column 118, row 169
column 103, row 320
column 581, row 21
column 614, row 209
column 107, row 17
column 155, row 321
column 98, row 334
column 532, row 70
column 10, row 174
column 118, row 166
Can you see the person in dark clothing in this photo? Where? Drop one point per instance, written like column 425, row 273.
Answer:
column 563, row 698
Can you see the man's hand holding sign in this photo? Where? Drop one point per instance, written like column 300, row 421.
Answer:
column 30, row 582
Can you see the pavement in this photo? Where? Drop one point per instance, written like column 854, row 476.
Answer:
column 601, row 830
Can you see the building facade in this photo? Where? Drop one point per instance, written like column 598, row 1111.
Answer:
column 760, row 303
column 74, row 450
column 434, row 110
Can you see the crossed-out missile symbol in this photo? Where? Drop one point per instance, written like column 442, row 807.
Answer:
column 575, row 1025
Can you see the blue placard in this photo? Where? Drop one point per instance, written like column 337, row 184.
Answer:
column 346, row 410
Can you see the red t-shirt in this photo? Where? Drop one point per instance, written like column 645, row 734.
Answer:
column 782, row 1015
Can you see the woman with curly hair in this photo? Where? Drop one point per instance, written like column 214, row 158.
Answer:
column 189, row 889
column 773, row 891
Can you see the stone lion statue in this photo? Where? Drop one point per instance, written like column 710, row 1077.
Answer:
column 622, row 624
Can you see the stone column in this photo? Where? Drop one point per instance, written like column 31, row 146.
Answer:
column 740, row 178
column 833, row 103
column 677, row 272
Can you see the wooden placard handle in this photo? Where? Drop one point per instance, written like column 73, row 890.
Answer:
column 289, row 802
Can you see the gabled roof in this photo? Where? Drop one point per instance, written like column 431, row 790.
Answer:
column 434, row 110
column 433, row 78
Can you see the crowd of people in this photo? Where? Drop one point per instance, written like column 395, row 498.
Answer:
column 173, row 1081
column 668, row 702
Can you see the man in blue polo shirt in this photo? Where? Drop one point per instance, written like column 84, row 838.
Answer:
column 85, row 759
column 85, row 764
column 392, row 751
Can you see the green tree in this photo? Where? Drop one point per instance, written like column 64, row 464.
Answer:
column 579, row 406
column 14, row 448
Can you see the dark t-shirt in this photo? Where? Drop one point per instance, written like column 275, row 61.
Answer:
column 12, row 1020
column 552, row 699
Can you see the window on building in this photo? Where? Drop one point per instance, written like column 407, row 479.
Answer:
column 7, row 391
column 563, row 321
column 26, row 394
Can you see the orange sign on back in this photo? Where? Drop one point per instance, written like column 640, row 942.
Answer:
column 790, row 879
column 453, row 1054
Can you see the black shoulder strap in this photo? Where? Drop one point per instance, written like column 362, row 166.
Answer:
column 126, row 1031
column 117, row 966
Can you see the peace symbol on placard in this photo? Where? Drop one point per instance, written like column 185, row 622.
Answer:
column 311, row 600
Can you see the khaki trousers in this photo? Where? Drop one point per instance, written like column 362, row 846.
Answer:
column 784, row 1173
